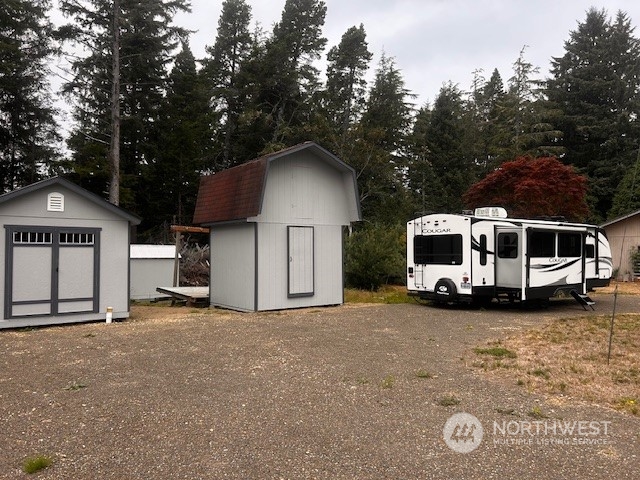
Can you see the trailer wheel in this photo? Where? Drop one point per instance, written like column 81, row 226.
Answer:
column 446, row 291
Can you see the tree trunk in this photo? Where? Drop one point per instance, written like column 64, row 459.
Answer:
column 114, row 148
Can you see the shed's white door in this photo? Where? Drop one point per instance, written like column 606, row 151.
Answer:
column 301, row 267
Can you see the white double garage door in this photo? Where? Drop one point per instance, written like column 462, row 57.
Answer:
column 51, row 270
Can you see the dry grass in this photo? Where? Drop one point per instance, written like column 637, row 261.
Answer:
column 624, row 288
column 568, row 358
column 388, row 294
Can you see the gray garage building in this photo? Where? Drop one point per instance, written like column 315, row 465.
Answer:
column 65, row 253
column 277, row 227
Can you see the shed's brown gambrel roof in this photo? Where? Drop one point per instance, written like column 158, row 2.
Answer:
column 236, row 193
column 231, row 194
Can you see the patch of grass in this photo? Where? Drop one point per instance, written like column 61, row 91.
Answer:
column 75, row 385
column 541, row 372
column 388, row 294
column 424, row 374
column 497, row 351
column 628, row 404
column 536, row 412
column 568, row 357
column 448, row 401
column 35, row 464
column 363, row 381
column 388, row 381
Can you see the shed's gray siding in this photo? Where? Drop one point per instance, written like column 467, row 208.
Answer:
column 233, row 273
column 305, row 190
column 31, row 210
column 273, row 267
column 302, row 190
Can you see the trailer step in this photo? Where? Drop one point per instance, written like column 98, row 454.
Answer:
column 583, row 299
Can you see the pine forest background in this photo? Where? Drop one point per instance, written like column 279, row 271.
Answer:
column 259, row 91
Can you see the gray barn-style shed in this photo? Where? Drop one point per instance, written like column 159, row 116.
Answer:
column 277, row 229
column 65, row 253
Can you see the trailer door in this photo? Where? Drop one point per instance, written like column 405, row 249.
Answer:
column 509, row 257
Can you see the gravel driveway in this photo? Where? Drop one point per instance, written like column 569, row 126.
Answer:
column 317, row 393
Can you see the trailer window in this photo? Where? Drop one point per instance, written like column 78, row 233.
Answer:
column 542, row 244
column 483, row 249
column 508, row 245
column 437, row 249
column 569, row 244
column 590, row 251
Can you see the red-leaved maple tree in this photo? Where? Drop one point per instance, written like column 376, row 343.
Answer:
column 532, row 187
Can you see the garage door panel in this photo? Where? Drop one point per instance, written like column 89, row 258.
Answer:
column 31, row 309
column 75, row 273
column 51, row 271
column 32, row 273
column 77, row 306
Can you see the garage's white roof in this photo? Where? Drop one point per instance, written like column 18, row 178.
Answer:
column 153, row 251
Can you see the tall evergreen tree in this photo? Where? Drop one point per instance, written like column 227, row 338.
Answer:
column 450, row 162
column 347, row 65
column 147, row 39
column 27, row 125
column 488, row 102
column 420, row 171
column 184, row 131
column 595, row 85
column 378, row 151
column 231, row 49
column 524, row 120
column 284, row 78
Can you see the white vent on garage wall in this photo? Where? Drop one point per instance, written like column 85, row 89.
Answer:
column 55, row 202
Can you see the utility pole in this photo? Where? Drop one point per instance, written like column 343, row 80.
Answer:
column 114, row 147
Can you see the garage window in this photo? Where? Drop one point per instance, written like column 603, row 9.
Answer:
column 32, row 238
column 76, row 239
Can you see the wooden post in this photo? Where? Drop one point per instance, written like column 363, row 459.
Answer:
column 176, row 261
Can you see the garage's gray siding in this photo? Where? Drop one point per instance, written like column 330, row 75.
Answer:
column 79, row 212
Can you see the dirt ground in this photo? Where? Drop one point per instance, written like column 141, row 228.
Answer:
column 357, row 391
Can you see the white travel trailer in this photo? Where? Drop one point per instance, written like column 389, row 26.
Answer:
column 462, row 258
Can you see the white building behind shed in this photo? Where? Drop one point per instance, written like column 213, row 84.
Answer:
column 152, row 266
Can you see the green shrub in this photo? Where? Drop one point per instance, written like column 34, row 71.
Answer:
column 375, row 256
